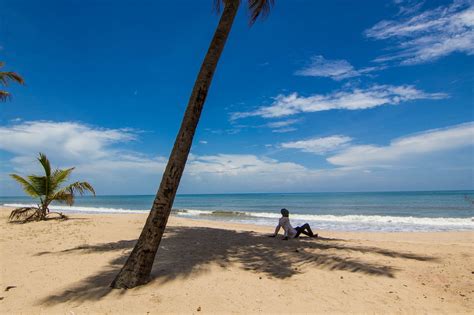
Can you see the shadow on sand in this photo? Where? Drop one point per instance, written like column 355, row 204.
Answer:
column 190, row 250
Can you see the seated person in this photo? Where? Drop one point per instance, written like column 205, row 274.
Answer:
column 291, row 232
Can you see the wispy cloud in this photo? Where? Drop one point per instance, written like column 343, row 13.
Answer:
column 334, row 69
column 284, row 130
column 377, row 95
column 318, row 145
column 429, row 35
column 282, row 123
column 239, row 164
column 407, row 7
column 405, row 148
column 283, row 126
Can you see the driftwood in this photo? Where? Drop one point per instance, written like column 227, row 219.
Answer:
column 29, row 214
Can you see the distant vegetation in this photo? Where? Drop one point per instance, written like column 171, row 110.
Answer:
column 47, row 189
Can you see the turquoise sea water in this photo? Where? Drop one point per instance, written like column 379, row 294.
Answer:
column 377, row 211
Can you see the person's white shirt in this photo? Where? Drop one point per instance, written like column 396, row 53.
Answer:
column 284, row 223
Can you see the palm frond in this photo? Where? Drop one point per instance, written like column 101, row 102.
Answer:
column 81, row 188
column 217, row 5
column 27, row 186
column 6, row 77
column 64, row 196
column 58, row 177
column 67, row 193
column 259, row 8
column 40, row 184
column 4, row 96
column 25, row 214
column 45, row 162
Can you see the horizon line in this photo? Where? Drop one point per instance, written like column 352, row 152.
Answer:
column 274, row 193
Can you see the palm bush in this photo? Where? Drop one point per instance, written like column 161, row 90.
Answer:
column 47, row 189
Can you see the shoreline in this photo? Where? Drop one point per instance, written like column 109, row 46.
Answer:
column 248, row 226
column 337, row 223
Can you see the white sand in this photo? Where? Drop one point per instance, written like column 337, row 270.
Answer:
column 66, row 267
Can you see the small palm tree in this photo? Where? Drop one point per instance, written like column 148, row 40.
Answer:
column 48, row 189
column 5, row 78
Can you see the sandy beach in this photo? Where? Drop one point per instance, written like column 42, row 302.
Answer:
column 211, row 267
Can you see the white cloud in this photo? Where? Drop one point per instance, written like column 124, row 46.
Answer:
column 93, row 151
column 377, row 95
column 406, row 7
column 282, row 123
column 284, row 130
column 203, row 142
column 400, row 150
column 318, row 145
column 334, row 69
column 283, row 126
column 429, row 35
column 239, row 165
column 99, row 157
column 77, row 141
column 113, row 170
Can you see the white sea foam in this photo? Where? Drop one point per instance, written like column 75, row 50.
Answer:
column 80, row 209
column 440, row 221
column 338, row 222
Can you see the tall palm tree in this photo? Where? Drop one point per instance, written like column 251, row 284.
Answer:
column 137, row 268
column 5, row 78
column 47, row 189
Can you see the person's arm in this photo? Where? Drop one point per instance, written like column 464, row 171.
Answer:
column 285, row 236
column 277, row 229
column 286, row 228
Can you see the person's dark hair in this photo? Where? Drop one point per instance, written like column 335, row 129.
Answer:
column 285, row 212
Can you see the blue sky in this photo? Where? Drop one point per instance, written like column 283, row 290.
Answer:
column 333, row 96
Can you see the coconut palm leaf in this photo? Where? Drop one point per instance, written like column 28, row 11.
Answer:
column 27, row 186
column 64, row 196
column 45, row 162
column 67, row 194
column 4, row 96
column 40, row 183
column 81, row 188
column 6, row 76
column 257, row 8
column 58, row 177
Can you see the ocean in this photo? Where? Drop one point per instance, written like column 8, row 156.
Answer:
column 368, row 211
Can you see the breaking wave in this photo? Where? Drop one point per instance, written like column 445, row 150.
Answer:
column 331, row 222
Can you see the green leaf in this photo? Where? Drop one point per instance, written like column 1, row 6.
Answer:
column 27, row 186
column 45, row 162
column 58, row 177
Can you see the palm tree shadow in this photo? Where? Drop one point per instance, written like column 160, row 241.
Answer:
column 188, row 251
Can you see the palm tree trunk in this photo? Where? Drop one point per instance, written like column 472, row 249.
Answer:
column 137, row 269
column 43, row 210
